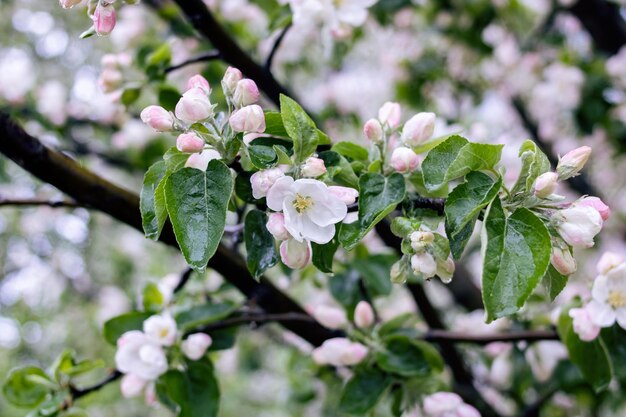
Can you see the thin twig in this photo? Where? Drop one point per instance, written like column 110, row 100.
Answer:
column 6, row 202
column 209, row 56
column 277, row 43
column 184, row 278
column 435, row 335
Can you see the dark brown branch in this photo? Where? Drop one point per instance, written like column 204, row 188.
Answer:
column 439, row 336
column 209, row 56
column 279, row 40
column 87, row 188
column 255, row 318
column 6, row 202
column 184, row 279
column 604, row 22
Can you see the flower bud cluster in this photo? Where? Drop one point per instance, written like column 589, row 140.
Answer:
column 425, row 260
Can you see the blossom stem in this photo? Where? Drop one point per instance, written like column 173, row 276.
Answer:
column 209, row 56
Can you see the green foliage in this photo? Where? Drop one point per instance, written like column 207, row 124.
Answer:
column 323, row 255
column 153, row 215
column 339, row 169
column 300, row 127
column 201, row 315
column 117, row 326
column 351, row 150
column 554, row 282
column 152, row 298
column 375, row 273
column 261, row 253
column 27, row 387
column 363, row 390
column 408, row 357
column 534, row 163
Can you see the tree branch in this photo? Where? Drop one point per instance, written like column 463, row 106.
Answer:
column 604, row 22
column 87, row 188
column 209, row 56
column 279, row 40
column 77, row 393
column 6, row 202
column 444, row 336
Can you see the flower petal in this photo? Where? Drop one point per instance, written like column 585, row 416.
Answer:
column 315, row 233
column 601, row 314
column 282, row 188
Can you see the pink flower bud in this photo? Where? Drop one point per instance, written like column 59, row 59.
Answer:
column 608, row 261
column 373, row 130
column 346, row 194
column 354, row 354
column 196, row 345
column 248, row 119
column 313, row 167
column 132, row 385
column 583, row 325
column 563, row 261
column 390, row 113
column 418, row 129
column 276, row 226
column 545, row 184
column 194, row 106
column 189, row 143
column 198, row 81
column 104, row 18
column 339, row 351
column 201, row 160
column 572, row 162
column 404, row 160
column 110, row 80
column 109, row 61
column 262, row 181
column 578, row 225
column 597, row 204
column 363, row 314
column 294, row 254
column 231, row 77
column 246, row 93
column 424, row 263
column 331, row 317
column 157, row 118
column 67, row 4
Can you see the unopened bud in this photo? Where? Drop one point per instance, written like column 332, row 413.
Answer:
column 421, row 239
column 262, row 181
column 404, row 160
column 583, row 324
column 104, row 18
column 189, row 143
column 572, row 162
column 424, row 263
column 248, row 119
column 276, row 226
column 563, row 261
column 418, row 129
column 131, row 385
column 597, row 204
column 198, row 81
column 194, row 106
column 196, row 345
column 157, row 118
column 201, row 160
column 389, row 113
column 373, row 130
column 246, row 93
column 294, row 254
column 363, row 314
column 346, row 194
column 578, row 225
column 445, row 270
column 313, row 167
column 331, row 317
column 545, row 184
column 231, row 77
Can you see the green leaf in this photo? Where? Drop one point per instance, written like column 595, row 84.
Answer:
column 300, row 128
column 454, row 158
column 168, row 97
column 202, row 315
column 24, row 387
column 274, row 124
column 152, row 298
column 260, row 246
column 130, row 95
column 323, row 255
column 339, row 169
column 378, row 197
column 196, row 202
column 375, row 271
column 408, row 357
column 344, row 288
column 262, row 156
column 554, row 282
column 351, row 150
column 614, row 340
column 119, row 325
column 363, row 390
column 591, row 358
column 463, row 206
column 243, row 187
column 195, row 391
column 153, row 215
column 516, row 254
column 174, row 159
column 534, row 163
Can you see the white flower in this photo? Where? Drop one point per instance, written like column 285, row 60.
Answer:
column 424, row 263
column 331, row 14
column 262, row 181
column 310, row 210
column 584, row 327
column 161, row 329
column 195, row 346
column 140, row 355
column 608, row 261
column 339, row 351
column 131, row 385
column 608, row 303
column 331, row 317
column 294, row 254
column 448, row 404
column 578, row 225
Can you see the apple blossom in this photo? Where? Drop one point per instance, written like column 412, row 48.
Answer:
column 608, row 303
column 310, row 210
column 578, row 225
column 201, row 160
column 331, row 317
column 104, row 18
column 608, row 261
column 363, row 314
column 263, row 180
column 157, row 118
column 563, row 261
column 583, row 324
column 162, row 329
column 572, row 162
column 389, row 114
column 295, row 254
column 421, row 239
column 545, row 184
column 404, row 160
column 339, row 351
column 373, row 130
column 313, row 167
column 246, row 93
column 418, row 129
column 248, row 119
column 276, row 226
column 132, row 385
column 597, row 204
column 231, row 77
column 194, row 106
column 67, row 4
column 189, row 143
column 424, row 263
column 346, row 194
column 198, row 81
column 447, row 404
column 445, row 270
column 196, row 345
column 140, row 355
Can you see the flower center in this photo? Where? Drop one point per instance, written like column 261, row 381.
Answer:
column 616, row 299
column 163, row 333
column 302, row 203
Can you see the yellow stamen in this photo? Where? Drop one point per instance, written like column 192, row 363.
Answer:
column 301, row 203
column 617, row 299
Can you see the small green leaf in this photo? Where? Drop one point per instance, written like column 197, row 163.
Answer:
column 378, row 197
column 153, row 215
column 323, row 255
column 614, row 339
column 375, row 271
column 119, row 325
column 344, row 288
column 516, row 256
column 130, row 95
column 351, row 150
column 243, row 187
column 339, row 169
column 274, row 124
column 262, row 156
column 168, row 97
column 554, row 282
column 407, row 357
column 364, row 390
column 152, row 298
column 196, row 202
column 591, row 358
column 22, row 390
column 300, row 128
column 202, row 315
column 260, row 246
column 463, row 206
column 534, row 163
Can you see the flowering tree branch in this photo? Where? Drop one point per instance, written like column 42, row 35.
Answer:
column 277, row 42
column 6, row 202
column 209, row 56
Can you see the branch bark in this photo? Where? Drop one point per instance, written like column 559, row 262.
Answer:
column 604, row 22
